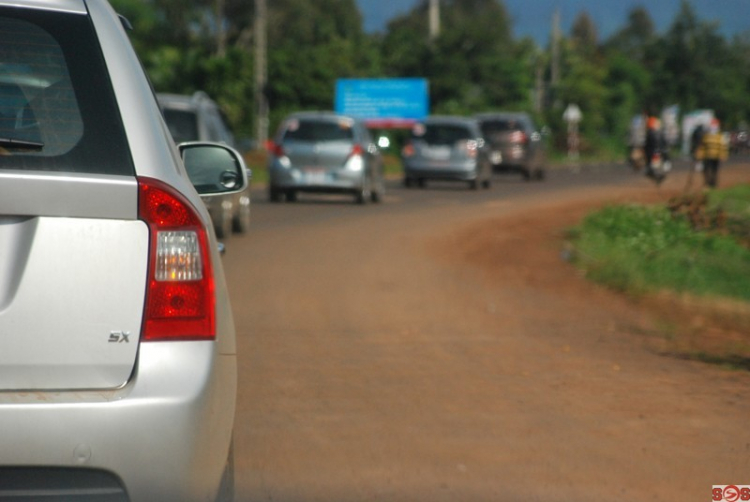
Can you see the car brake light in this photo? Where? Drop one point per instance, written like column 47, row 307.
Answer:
column 408, row 150
column 180, row 302
column 518, row 137
column 469, row 146
column 275, row 148
column 356, row 150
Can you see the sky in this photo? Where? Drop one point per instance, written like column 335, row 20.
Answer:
column 533, row 18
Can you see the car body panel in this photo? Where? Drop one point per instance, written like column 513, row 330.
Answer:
column 164, row 434
column 73, row 287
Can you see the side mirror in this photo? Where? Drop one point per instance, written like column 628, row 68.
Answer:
column 214, row 168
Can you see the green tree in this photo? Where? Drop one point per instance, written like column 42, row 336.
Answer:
column 311, row 45
column 474, row 64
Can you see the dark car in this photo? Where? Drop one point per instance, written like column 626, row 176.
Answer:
column 446, row 148
column 516, row 145
column 197, row 117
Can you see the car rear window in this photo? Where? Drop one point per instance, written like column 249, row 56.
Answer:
column 490, row 127
column 319, row 130
column 183, row 124
column 442, row 134
column 57, row 106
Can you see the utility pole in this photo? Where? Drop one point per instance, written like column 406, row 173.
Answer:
column 434, row 19
column 555, row 63
column 221, row 32
column 261, row 72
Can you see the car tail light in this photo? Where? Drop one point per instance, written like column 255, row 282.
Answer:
column 518, row 137
column 469, row 146
column 275, row 149
column 408, row 150
column 355, row 160
column 180, row 301
column 356, row 150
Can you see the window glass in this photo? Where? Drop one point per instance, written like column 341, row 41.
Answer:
column 183, row 124
column 57, row 109
column 442, row 134
column 319, row 130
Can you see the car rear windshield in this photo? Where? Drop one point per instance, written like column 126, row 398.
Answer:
column 319, row 130
column 57, row 107
column 183, row 124
column 442, row 134
column 490, row 127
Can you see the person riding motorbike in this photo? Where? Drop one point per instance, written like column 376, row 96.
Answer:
column 656, row 151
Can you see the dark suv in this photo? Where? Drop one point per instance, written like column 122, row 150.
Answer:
column 516, row 146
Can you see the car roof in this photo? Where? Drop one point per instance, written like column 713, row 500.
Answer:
column 185, row 101
column 450, row 119
column 503, row 115
column 323, row 114
column 76, row 6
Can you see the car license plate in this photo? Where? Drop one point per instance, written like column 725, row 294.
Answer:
column 315, row 176
column 437, row 152
column 496, row 158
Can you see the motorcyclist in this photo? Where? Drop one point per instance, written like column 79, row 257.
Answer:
column 656, row 150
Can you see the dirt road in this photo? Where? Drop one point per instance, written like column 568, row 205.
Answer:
column 450, row 354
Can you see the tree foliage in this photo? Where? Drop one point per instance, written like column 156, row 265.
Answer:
column 474, row 64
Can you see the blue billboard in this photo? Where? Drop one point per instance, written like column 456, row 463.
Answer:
column 386, row 102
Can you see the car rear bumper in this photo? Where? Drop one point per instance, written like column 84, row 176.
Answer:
column 165, row 435
column 466, row 171
column 327, row 181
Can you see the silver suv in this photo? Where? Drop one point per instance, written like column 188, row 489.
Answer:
column 117, row 344
column 197, row 117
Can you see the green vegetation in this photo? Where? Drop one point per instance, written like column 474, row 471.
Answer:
column 693, row 245
column 474, row 64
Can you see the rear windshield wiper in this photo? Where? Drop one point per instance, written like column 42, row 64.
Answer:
column 20, row 144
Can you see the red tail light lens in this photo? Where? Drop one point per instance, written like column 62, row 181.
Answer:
column 180, row 301
column 408, row 150
column 275, row 149
column 518, row 137
column 357, row 150
column 469, row 146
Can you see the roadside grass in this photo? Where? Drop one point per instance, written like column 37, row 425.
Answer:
column 695, row 247
column 638, row 249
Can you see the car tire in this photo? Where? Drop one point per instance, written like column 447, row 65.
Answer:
column 526, row 173
column 291, row 196
column 274, row 194
column 539, row 174
column 487, row 183
column 379, row 194
column 365, row 192
column 408, row 182
column 421, row 183
column 226, row 488
column 241, row 220
column 475, row 184
column 223, row 227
